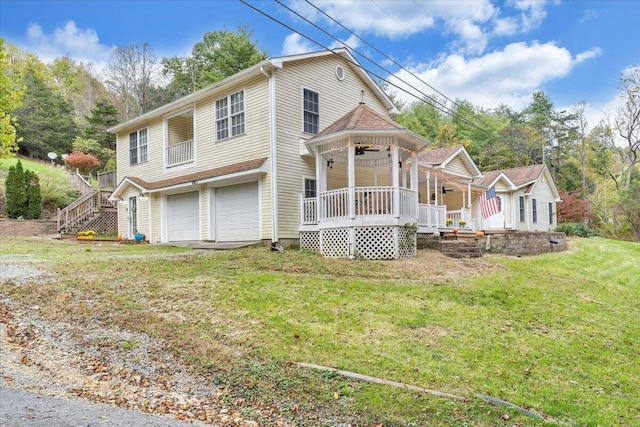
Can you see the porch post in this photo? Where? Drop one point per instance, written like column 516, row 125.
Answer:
column 414, row 183
column 437, row 191
column 428, row 187
column 395, row 181
column 351, row 169
column 321, row 184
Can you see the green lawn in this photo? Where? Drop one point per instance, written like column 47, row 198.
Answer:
column 557, row 333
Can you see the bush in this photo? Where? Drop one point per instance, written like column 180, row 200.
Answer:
column 84, row 162
column 575, row 229
column 22, row 192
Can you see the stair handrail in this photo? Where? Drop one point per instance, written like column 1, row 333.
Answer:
column 69, row 215
column 80, row 183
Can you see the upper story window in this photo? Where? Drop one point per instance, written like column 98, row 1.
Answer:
column 230, row 116
column 138, row 147
column 311, row 111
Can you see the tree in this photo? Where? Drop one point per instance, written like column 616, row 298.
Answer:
column 93, row 147
column 629, row 208
column 11, row 92
column 46, row 120
column 15, row 194
column 220, row 54
column 627, row 122
column 84, row 162
column 34, row 195
column 574, row 207
column 77, row 82
column 23, row 195
column 103, row 116
column 131, row 73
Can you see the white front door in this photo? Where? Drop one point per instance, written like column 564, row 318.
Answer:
column 133, row 216
column 498, row 220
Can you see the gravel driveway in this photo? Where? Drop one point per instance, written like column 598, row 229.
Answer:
column 56, row 373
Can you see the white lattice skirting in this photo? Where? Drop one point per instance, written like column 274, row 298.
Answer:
column 381, row 242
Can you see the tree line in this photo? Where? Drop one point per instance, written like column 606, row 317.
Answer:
column 66, row 106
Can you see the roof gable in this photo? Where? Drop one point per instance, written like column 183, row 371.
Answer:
column 362, row 117
column 262, row 68
column 441, row 157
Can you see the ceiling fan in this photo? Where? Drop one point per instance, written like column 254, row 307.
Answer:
column 361, row 149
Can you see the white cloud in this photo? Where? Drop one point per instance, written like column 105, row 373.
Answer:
column 588, row 54
column 294, row 44
column 77, row 43
column 508, row 76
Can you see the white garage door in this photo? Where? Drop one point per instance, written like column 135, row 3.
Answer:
column 183, row 215
column 237, row 213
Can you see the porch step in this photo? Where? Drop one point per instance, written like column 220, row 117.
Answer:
column 461, row 248
column 455, row 246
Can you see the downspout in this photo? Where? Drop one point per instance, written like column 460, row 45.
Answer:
column 273, row 155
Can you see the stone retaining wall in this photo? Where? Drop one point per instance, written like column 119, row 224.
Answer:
column 33, row 227
column 525, row 243
column 516, row 243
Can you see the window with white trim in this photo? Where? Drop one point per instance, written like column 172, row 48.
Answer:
column 138, row 147
column 311, row 111
column 534, row 210
column 550, row 213
column 521, row 200
column 230, row 116
column 309, row 188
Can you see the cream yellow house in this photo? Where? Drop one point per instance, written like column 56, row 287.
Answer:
column 294, row 149
column 527, row 199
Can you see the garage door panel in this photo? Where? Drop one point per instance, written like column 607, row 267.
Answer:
column 183, row 217
column 237, row 213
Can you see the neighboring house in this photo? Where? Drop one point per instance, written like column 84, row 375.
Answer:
column 294, row 149
column 527, row 198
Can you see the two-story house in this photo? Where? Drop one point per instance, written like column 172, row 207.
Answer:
column 299, row 148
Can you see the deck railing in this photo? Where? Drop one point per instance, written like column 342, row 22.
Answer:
column 432, row 216
column 180, row 153
column 309, row 212
column 458, row 216
column 333, row 205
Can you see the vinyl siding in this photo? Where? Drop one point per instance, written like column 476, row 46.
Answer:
column 456, row 165
column 337, row 98
column 208, row 153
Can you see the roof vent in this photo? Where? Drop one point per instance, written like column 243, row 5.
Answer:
column 340, row 73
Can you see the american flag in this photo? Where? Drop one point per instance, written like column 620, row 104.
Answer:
column 489, row 203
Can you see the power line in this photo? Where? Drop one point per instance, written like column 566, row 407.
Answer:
column 463, row 107
column 444, row 109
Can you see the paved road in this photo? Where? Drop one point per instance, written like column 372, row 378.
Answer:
column 22, row 409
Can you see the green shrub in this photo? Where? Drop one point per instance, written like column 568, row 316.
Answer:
column 575, row 229
column 22, row 192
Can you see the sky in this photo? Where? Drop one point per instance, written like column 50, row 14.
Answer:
column 484, row 51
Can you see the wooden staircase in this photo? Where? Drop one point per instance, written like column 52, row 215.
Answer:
column 92, row 211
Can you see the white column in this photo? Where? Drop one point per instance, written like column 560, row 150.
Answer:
column 351, row 170
column 395, row 180
column 321, row 184
column 414, row 182
column 428, row 187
